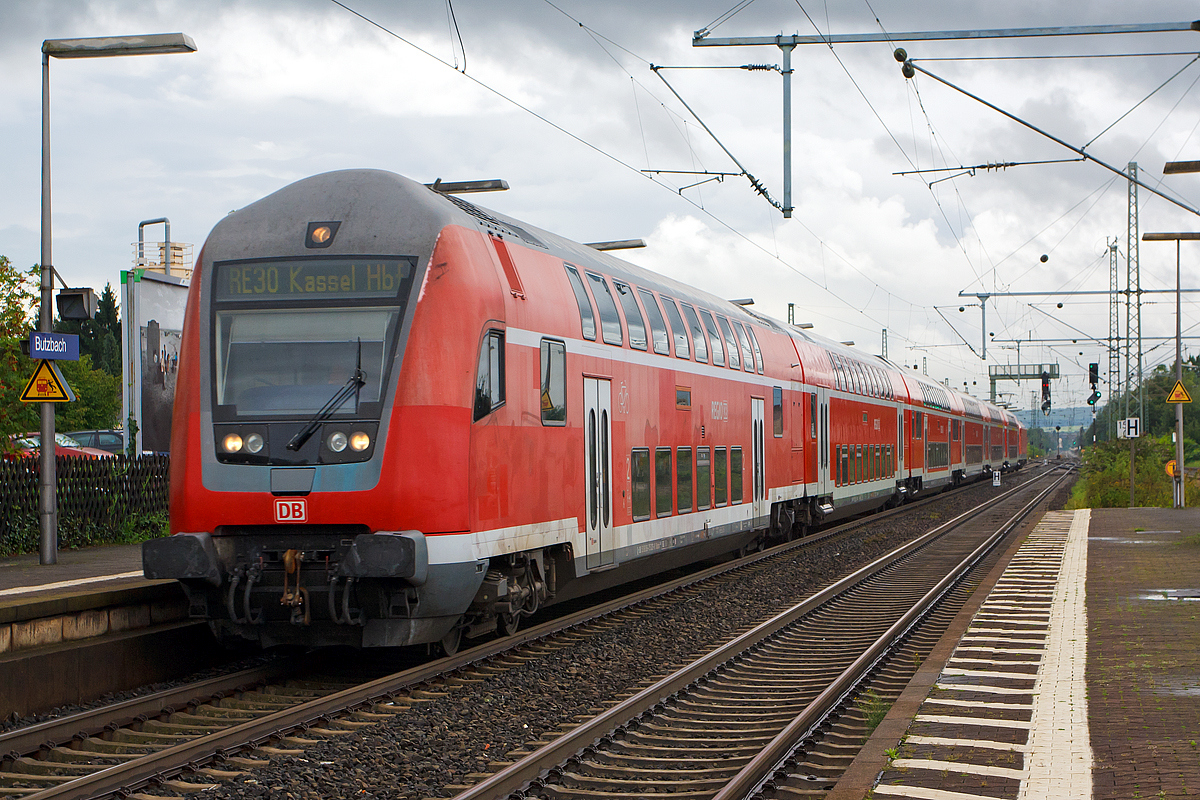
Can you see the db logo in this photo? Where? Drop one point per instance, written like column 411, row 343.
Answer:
column 291, row 510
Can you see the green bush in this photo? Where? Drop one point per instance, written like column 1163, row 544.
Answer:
column 1104, row 479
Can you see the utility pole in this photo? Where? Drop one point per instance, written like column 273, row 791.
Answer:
column 1134, row 401
column 1114, row 338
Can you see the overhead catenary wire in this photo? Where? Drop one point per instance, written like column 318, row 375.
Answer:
column 1050, row 136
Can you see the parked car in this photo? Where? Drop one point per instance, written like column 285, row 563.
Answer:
column 109, row 440
column 28, row 445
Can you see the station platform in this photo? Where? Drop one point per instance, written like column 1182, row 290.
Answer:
column 1077, row 677
column 88, row 625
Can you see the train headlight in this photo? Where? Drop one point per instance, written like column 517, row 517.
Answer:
column 359, row 441
column 254, row 442
column 232, row 443
column 336, row 441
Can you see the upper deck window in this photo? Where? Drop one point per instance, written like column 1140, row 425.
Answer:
column 658, row 327
column 754, row 344
column 633, row 316
column 730, row 344
column 587, row 319
column 610, row 321
column 718, row 352
column 697, row 333
column 678, row 331
column 747, row 353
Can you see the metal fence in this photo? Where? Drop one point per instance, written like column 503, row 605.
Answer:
column 100, row 501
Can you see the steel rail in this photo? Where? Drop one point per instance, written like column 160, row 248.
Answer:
column 758, row 770
column 535, row 765
column 53, row 732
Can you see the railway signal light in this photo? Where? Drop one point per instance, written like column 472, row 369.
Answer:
column 1093, row 397
column 1046, row 393
column 1093, row 374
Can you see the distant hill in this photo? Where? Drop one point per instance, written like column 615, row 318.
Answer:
column 1066, row 418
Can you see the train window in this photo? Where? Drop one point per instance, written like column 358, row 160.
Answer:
column 683, row 397
column 891, row 461
column 747, row 353
column 663, row 486
column 735, row 474
column 554, row 383
column 777, row 410
column 731, row 345
column 678, row 330
column 718, row 352
column 720, row 476
column 586, row 318
column 845, row 464
column 610, row 321
column 593, row 478
column 489, row 379
column 954, row 429
column 633, row 317
column 703, row 479
column 812, row 416
column 658, row 327
column 917, row 425
column 697, row 333
column 683, row 479
column 639, row 475
column 858, row 464
column 878, row 461
column 754, row 344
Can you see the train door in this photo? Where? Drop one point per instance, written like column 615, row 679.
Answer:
column 824, row 484
column 758, row 467
column 900, row 444
column 597, row 400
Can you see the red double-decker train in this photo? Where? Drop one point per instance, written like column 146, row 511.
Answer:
column 401, row 418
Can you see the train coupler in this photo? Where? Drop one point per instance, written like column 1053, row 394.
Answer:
column 296, row 598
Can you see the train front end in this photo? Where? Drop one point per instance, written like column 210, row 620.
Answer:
column 289, row 518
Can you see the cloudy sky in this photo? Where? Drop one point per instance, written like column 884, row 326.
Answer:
column 558, row 99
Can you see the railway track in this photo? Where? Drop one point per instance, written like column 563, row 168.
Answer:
column 188, row 739
column 741, row 718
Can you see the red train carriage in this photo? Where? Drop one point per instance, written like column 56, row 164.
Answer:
column 401, row 418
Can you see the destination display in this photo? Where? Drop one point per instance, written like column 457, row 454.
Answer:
column 316, row 279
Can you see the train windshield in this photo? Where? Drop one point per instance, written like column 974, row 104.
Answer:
column 290, row 361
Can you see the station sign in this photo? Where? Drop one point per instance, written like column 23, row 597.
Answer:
column 54, row 346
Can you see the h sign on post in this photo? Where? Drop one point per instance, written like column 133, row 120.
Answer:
column 995, row 477
column 1133, row 427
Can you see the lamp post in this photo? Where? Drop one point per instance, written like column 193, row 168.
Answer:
column 1177, row 478
column 93, row 47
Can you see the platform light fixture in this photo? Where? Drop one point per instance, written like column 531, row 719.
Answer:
column 91, row 47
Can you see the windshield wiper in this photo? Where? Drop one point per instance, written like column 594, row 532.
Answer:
column 357, row 381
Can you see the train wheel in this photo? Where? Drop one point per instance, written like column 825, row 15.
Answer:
column 451, row 641
column 507, row 623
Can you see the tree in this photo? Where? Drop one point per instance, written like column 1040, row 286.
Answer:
column 98, row 391
column 19, row 296
column 100, row 337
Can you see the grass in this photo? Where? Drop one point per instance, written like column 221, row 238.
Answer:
column 874, row 708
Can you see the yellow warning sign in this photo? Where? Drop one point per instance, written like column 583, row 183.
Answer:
column 47, row 385
column 1171, row 468
column 1179, row 394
